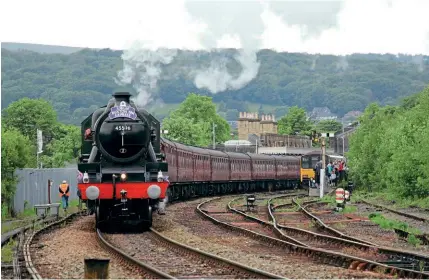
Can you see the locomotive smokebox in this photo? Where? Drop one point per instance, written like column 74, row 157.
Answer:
column 122, row 133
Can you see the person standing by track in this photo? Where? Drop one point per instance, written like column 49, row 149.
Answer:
column 64, row 190
column 317, row 169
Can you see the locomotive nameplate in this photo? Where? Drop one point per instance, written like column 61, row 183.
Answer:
column 124, row 110
column 123, row 127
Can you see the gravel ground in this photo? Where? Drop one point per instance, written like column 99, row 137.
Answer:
column 370, row 231
column 60, row 253
column 183, row 224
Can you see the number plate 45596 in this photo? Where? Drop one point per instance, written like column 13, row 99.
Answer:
column 123, row 127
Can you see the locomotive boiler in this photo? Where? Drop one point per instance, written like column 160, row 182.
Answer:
column 121, row 164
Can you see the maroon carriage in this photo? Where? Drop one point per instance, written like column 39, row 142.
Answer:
column 240, row 167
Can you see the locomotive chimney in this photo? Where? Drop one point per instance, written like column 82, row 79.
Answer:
column 122, row 96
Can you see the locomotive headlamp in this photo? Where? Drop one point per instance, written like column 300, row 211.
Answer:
column 123, row 176
column 92, row 192
column 85, row 177
column 154, row 191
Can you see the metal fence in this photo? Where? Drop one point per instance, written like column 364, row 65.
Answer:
column 32, row 187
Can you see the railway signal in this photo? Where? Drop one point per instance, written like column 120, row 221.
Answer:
column 251, row 202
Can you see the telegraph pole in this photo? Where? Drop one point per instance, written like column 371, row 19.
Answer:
column 214, row 136
column 322, row 172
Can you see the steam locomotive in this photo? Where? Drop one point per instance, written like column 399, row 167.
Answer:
column 120, row 162
column 124, row 161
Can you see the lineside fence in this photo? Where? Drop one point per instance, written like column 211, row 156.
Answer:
column 33, row 188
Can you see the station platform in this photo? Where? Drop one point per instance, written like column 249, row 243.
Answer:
column 315, row 192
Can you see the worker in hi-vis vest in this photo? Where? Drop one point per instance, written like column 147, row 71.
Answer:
column 64, row 194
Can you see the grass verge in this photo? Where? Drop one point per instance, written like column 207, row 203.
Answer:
column 385, row 223
column 7, row 251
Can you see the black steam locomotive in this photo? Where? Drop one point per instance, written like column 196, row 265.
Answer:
column 121, row 165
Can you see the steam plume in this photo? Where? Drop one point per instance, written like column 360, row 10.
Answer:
column 216, row 78
column 142, row 69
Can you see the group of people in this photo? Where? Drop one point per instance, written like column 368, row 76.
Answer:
column 335, row 172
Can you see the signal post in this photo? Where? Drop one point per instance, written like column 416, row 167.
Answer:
column 322, row 171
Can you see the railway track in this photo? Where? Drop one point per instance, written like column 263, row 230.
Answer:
column 343, row 243
column 276, row 237
column 27, row 245
column 14, row 269
column 167, row 258
column 390, row 256
column 7, row 236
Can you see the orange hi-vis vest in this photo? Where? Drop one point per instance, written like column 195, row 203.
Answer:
column 63, row 188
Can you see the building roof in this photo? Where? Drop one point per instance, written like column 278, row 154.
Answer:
column 289, row 151
column 237, row 142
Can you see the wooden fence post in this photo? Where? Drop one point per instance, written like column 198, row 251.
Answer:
column 96, row 269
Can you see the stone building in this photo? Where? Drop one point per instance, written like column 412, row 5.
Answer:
column 252, row 123
column 262, row 130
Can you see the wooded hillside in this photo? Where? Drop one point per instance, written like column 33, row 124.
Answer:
column 77, row 83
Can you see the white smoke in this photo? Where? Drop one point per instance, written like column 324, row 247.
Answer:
column 229, row 30
column 292, row 26
column 143, row 68
column 216, row 78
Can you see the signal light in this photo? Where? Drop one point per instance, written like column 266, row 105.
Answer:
column 123, row 176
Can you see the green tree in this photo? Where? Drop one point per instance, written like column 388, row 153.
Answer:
column 184, row 130
column 16, row 152
column 64, row 147
column 192, row 122
column 27, row 115
column 388, row 152
column 328, row 126
column 295, row 120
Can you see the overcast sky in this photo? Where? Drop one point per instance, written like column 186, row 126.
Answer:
column 335, row 27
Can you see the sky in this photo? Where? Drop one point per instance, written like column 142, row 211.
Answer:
column 326, row 27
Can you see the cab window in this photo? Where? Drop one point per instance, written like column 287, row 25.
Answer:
column 305, row 162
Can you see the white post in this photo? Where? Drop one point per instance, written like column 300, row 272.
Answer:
column 322, row 182
column 39, row 145
column 322, row 172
